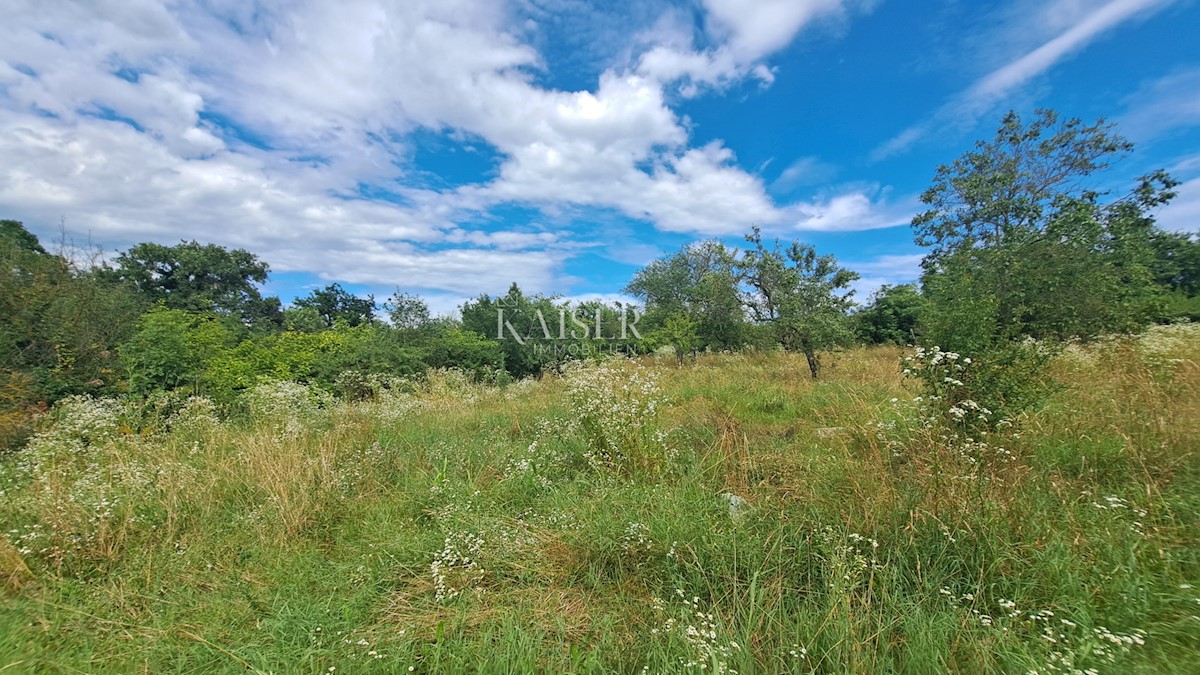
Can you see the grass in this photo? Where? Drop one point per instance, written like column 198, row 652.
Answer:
column 472, row 529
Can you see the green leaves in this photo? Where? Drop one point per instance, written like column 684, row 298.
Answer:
column 1009, row 185
column 1023, row 247
column 805, row 296
column 696, row 285
column 334, row 303
column 198, row 278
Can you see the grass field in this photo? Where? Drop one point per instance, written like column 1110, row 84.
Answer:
column 726, row 516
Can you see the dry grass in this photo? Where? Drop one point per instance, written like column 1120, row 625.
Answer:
column 256, row 543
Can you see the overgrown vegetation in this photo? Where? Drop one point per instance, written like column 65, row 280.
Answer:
column 734, row 516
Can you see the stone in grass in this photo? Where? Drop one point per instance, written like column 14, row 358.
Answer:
column 738, row 507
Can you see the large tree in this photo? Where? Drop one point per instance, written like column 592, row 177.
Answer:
column 334, row 303
column 806, row 297
column 1023, row 244
column 696, row 287
column 198, row 277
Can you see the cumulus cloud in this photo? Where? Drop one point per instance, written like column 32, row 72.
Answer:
column 744, row 34
column 285, row 128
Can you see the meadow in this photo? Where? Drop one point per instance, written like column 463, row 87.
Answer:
column 730, row 515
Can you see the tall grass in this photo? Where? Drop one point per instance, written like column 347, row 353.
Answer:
column 727, row 516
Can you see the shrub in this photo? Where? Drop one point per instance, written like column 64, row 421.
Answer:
column 617, row 403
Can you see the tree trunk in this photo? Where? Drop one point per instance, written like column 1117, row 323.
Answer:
column 811, row 356
column 814, row 366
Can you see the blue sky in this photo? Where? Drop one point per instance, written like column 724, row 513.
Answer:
column 450, row 147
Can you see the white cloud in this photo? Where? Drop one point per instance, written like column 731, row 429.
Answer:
column 758, row 28
column 1081, row 24
column 744, row 34
column 256, row 127
column 1183, row 213
column 862, row 208
column 1169, row 103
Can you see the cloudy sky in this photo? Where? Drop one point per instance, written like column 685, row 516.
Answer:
column 450, row 147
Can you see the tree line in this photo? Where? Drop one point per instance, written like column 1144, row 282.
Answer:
column 1024, row 242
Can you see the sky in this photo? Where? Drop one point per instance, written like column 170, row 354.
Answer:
column 451, row 147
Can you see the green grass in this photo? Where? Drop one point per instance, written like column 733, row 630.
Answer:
column 230, row 547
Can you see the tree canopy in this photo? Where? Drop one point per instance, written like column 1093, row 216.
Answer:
column 334, row 303
column 1017, row 228
column 805, row 296
column 198, row 277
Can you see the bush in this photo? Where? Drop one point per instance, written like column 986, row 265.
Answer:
column 617, row 404
column 978, row 392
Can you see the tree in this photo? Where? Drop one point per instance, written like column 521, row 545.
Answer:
column 1023, row 246
column 407, row 311
column 1176, row 270
column 1015, row 225
column 515, row 321
column 1176, row 265
column 700, row 284
column 61, row 321
column 680, row 333
column 334, row 303
column 891, row 316
column 172, row 348
column 14, row 235
column 198, row 277
column 805, row 296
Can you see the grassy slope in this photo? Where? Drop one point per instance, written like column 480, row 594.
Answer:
column 226, row 548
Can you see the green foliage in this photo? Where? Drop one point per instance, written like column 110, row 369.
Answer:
column 804, row 296
column 172, row 349
column 524, row 326
column 680, row 333
column 891, row 316
column 198, row 277
column 334, row 303
column 1022, row 249
column 1176, row 263
column 312, row 358
column 698, row 283
column 62, row 321
column 467, row 350
column 303, row 320
column 407, row 311
column 13, row 235
column 1013, row 224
